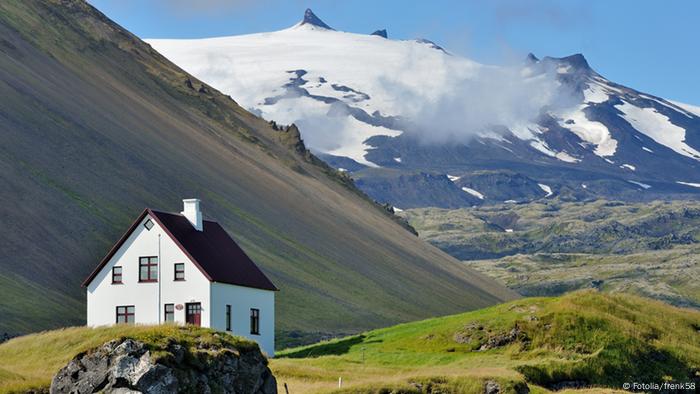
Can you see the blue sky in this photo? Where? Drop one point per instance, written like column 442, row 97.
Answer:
column 650, row 46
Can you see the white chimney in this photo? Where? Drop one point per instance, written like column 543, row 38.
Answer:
column 192, row 212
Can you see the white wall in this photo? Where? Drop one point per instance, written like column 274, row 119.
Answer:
column 241, row 300
column 103, row 297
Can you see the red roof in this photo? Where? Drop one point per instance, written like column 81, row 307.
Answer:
column 212, row 250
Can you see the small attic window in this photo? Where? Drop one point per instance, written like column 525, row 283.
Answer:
column 148, row 224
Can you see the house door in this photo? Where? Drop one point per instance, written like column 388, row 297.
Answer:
column 193, row 313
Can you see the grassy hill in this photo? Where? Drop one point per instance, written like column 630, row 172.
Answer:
column 29, row 362
column 96, row 126
column 581, row 339
column 587, row 338
column 554, row 246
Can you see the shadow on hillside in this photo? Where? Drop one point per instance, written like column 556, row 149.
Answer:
column 338, row 347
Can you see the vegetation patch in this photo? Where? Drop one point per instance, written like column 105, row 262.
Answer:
column 29, row 362
column 585, row 339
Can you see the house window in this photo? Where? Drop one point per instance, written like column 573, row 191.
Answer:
column 228, row 317
column 180, row 271
column 125, row 314
column 148, row 269
column 169, row 312
column 148, row 224
column 254, row 321
column 116, row 275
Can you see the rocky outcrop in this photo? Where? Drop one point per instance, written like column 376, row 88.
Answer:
column 128, row 366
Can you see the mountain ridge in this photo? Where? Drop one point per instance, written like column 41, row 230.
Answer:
column 592, row 138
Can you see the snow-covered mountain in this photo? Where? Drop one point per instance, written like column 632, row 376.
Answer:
column 417, row 125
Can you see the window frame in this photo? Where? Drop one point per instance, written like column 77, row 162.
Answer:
column 228, row 317
column 121, row 275
column 148, row 224
column 126, row 314
column 166, row 312
column 176, row 279
column 149, row 264
column 254, row 321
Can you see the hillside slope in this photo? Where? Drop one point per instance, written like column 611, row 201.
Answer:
column 582, row 339
column 96, row 126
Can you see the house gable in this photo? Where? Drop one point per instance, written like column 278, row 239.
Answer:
column 140, row 220
column 211, row 250
column 148, row 244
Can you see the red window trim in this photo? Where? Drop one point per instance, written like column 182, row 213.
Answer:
column 148, row 264
column 176, row 279
column 121, row 275
column 126, row 314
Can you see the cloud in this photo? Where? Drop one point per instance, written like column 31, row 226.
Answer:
column 484, row 101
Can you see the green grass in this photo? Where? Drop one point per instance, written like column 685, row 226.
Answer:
column 29, row 362
column 602, row 340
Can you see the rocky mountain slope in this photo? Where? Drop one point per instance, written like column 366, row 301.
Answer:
column 408, row 114
column 96, row 125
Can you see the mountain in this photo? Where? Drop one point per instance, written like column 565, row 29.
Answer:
column 96, row 125
column 388, row 111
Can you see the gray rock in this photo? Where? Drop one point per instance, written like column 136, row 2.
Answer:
column 126, row 366
column 492, row 387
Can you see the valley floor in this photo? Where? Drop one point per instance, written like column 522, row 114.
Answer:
column 549, row 247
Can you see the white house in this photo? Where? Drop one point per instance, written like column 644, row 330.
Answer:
column 179, row 268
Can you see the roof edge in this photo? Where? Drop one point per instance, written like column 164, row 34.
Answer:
column 134, row 225
column 114, row 249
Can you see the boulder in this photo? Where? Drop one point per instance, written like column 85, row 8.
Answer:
column 127, row 366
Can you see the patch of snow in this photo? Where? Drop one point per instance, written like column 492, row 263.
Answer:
column 342, row 169
column 544, row 148
column 397, row 159
column 526, row 131
column 510, row 201
column 690, row 109
column 509, row 230
column 688, row 184
column 546, row 189
column 563, row 69
column 396, row 209
column 563, row 156
column 583, row 185
column 595, row 93
column 629, row 167
column 609, row 161
column 647, row 149
column 590, row 131
column 453, row 178
column 640, row 184
column 658, row 127
column 473, row 193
